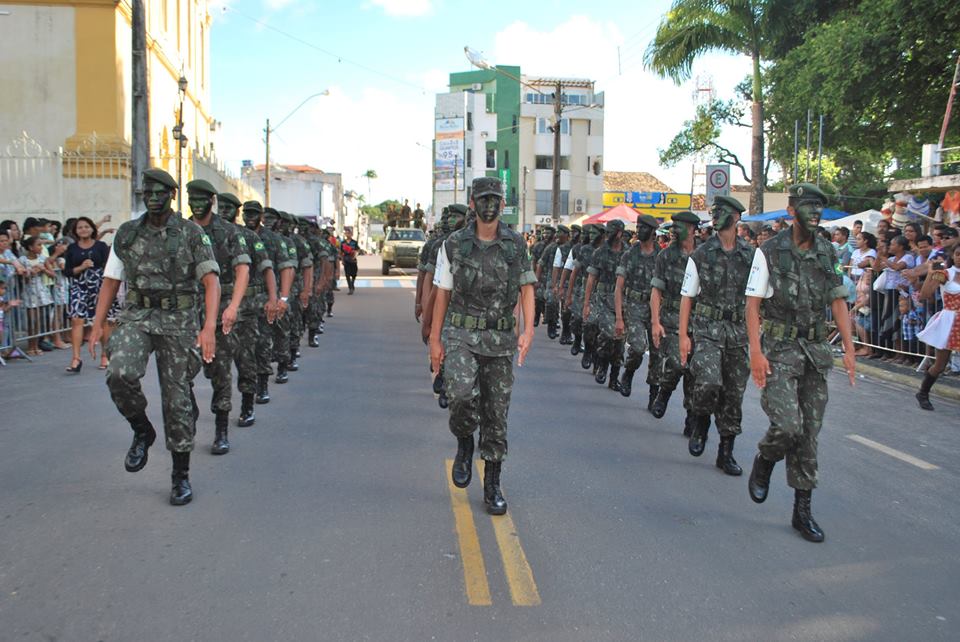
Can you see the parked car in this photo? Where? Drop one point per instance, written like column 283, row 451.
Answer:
column 401, row 248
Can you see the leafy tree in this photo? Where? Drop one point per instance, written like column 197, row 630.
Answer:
column 370, row 174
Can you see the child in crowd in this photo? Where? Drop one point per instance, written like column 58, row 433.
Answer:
column 36, row 294
column 910, row 323
column 6, row 334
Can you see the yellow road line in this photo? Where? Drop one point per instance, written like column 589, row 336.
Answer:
column 893, row 452
column 523, row 588
column 474, row 570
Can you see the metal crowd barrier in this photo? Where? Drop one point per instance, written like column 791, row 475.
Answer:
column 22, row 324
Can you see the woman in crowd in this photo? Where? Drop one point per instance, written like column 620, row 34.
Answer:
column 943, row 329
column 896, row 285
column 36, row 293
column 863, row 256
column 912, row 232
column 60, row 289
column 9, row 265
column 84, row 263
column 13, row 230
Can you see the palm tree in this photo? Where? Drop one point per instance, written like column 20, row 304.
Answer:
column 370, row 174
column 747, row 27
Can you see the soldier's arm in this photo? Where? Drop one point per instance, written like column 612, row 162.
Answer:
column 618, row 299
column 588, row 290
column 108, row 292
column 759, row 365
column 286, row 281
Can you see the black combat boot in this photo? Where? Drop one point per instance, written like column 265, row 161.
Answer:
column 923, row 395
column 698, row 438
column 759, row 483
column 600, row 370
column 586, row 362
column 725, row 460
column 626, row 382
column 442, row 400
column 552, row 330
column 802, row 519
column 575, row 344
column 659, row 407
column 438, row 384
column 321, row 327
column 566, row 338
column 689, row 422
column 282, row 376
column 462, row 471
column 537, row 312
column 295, row 352
column 614, row 380
column 181, row 493
column 247, row 416
column 492, row 497
column 654, row 391
column 263, row 389
column 293, row 366
column 314, row 339
column 329, row 310
column 143, row 437
column 221, row 446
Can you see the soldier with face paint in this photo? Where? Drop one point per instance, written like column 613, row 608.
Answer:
column 556, row 282
column 599, row 304
column 794, row 278
column 632, row 301
column 544, row 271
column 666, row 284
column 571, row 286
column 163, row 258
column 712, row 306
column 281, row 327
column 481, row 271
column 536, row 252
column 591, row 330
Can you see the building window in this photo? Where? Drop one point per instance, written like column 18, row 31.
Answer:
column 491, row 159
column 469, row 121
column 546, row 162
column 545, row 202
column 506, row 159
column 543, row 126
column 469, row 158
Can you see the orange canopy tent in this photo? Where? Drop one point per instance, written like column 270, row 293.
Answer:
column 620, row 212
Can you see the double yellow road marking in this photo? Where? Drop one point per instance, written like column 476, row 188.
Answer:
column 523, row 588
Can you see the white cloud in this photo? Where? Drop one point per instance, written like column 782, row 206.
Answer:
column 404, row 7
column 276, row 5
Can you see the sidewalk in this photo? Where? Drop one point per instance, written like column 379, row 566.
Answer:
column 947, row 386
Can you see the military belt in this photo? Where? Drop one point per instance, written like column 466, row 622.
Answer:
column 718, row 314
column 161, row 301
column 605, row 287
column 469, row 322
column 785, row 332
column 637, row 295
column 253, row 290
column 670, row 304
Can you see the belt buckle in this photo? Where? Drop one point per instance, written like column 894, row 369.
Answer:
column 165, row 303
column 481, row 324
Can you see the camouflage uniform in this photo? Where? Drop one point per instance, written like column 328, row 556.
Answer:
column 161, row 268
column 478, row 365
column 305, row 257
column 589, row 325
column 279, row 254
column 230, row 249
column 668, row 272
column 637, row 270
column 536, row 252
column 609, row 351
column 283, row 327
column 247, row 327
column 321, row 255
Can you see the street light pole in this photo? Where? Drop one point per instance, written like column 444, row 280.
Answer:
column 181, row 139
column 557, row 112
column 266, row 168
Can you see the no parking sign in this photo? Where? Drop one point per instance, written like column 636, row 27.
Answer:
column 718, row 182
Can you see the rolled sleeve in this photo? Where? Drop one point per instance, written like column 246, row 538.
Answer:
column 206, row 267
column 241, row 259
column 593, row 270
column 265, row 264
column 528, row 278
column 658, row 283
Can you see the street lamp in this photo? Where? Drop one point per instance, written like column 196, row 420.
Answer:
column 268, row 130
column 180, row 138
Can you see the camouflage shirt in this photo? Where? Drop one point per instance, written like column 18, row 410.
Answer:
column 668, row 271
column 230, row 249
column 278, row 251
column 603, row 264
column 637, row 268
column 723, row 281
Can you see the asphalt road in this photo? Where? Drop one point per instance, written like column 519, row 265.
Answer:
column 333, row 518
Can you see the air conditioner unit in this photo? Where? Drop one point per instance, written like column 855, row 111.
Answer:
column 578, row 205
column 478, row 86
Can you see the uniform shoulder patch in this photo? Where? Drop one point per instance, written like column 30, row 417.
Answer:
column 258, row 245
column 837, row 268
column 242, row 240
column 205, row 239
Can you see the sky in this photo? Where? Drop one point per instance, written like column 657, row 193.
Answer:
column 383, row 61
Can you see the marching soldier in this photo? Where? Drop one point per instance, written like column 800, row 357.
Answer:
column 162, row 257
column 712, row 306
column 260, row 297
column 480, row 272
column 544, row 272
column 795, row 276
column 232, row 254
column 323, row 265
column 602, row 280
column 303, row 286
column 281, row 326
column 571, row 287
column 632, row 305
column 545, row 238
column 590, row 329
column 556, row 283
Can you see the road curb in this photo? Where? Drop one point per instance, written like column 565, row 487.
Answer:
column 907, row 381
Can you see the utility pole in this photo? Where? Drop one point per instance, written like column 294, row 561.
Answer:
column 557, row 112
column 523, row 204
column 266, row 171
column 953, row 93
column 140, row 131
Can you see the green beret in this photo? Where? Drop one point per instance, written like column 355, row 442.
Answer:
column 202, row 186
column 649, row 221
column 686, row 216
column 484, row 185
column 272, row 212
column 563, row 229
column 253, row 206
column 729, row 201
column 576, row 228
column 458, row 208
column 157, row 175
column 227, row 197
column 807, row 191
column 616, row 225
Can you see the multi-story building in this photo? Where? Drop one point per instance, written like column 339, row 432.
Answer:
column 66, row 131
column 302, row 190
column 497, row 122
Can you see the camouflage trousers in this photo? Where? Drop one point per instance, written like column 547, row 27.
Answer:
column 609, row 346
column 264, row 350
column 281, row 336
column 328, row 299
column 296, row 321
column 720, row 375
column 247, row 332
column 576, row 311
column 670, row 371
column 478, row 389
column 795, row 399
column 314, row 315
column 640, row 340
column 178, row 362
column 551, row 306
column 220, row 371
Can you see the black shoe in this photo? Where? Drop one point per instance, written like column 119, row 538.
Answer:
column 293, row 366
column 247, row 416
column 442, row 400
column 295, row 352
column 587, row 360
column 698, row 438
column 221, row 446
column 181, row 493
column 803, row 519
column 575, row 345
column 321, row 329
column 462, row 471
column 725, row 460
column 143, row 437
column 626, row 382
column 314, row 339
column 552, row 330
column 263, row 389
column 759, row 484
column 614, row 379
column 654, row 391
column 923, row 395
column 438, row 384
column 689, row 423
column 350, row 290
column 45, row 345
column 330, row 312
column 76, row 369
column 659, row 406
column 600, row 371
column 282, row 376
column 492, row 496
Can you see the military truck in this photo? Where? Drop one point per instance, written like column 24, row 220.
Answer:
column 401, row 248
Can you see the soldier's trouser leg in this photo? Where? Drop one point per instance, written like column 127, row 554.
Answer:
column 794, row 399
column 736, row 372
column 296, row 322
column 636, row 336
column 653, row 363
column 328, row 299
column 281, row 339
column 551, row 308
column 129, row 350
column 313, row 314
column 479, row 389
column 245, row 355
column 591, row 332
column 670, row 369
column 264, row 345
column 220, row 371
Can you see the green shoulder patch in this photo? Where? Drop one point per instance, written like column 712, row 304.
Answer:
column 258, row 245
column 206, row 239
column 837, row 268
column 243, row 241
